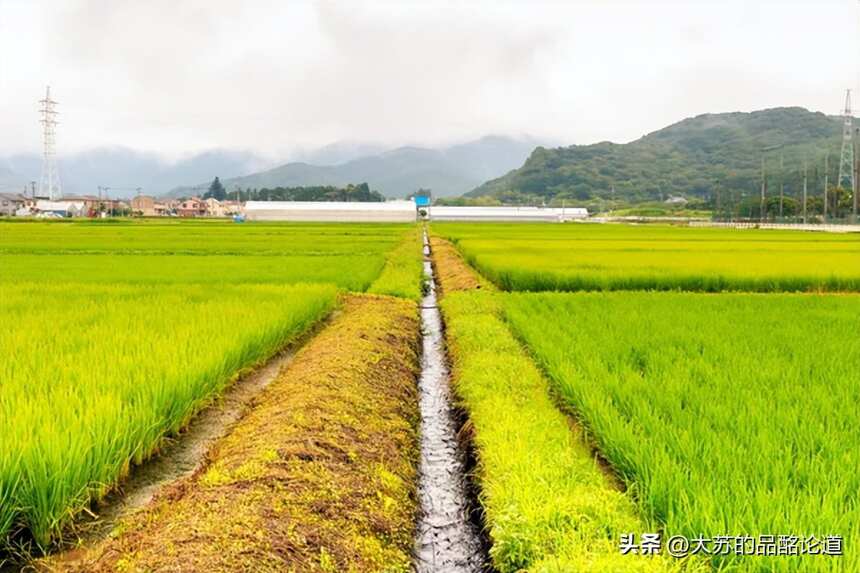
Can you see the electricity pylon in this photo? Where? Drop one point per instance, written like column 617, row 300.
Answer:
column 846, row 160
column 49, row 184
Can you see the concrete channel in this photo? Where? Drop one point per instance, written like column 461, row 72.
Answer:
column 447, row 538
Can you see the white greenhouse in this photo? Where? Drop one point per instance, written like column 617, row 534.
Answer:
column 548, row 214
column 387, row 212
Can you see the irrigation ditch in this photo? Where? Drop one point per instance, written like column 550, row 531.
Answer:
column 449, row 532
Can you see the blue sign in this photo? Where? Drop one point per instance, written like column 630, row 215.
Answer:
column 422, row 200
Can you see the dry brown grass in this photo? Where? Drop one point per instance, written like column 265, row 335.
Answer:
column 452, row 272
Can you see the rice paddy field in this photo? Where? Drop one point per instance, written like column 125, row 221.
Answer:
column 571, row 257
column 724, row 415
column 615, row 380
column 119, row 333
column 348, row 255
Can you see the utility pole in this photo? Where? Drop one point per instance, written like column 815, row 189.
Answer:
column 718, row 209
column 763, row 190
column 826, row 180
column 781, row 181
column 856, row 190
column 804, row 191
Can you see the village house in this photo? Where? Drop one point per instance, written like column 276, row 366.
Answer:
column 164, row 208
column 193, row 207
column 46, row 208
column 10, row 203
column 231, row 207
column 214, row 208
column 144, row 206
column 91, row 203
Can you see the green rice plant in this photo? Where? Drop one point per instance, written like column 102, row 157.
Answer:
column 403, row 273
column 97, row 375
column 732, row 414
column 572, row 257
column 547, row 504
column 172, row 252
column 189, row 236
column 352, row 272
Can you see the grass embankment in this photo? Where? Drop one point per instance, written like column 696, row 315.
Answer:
column 733, row 414
column 403, row 273
column 452, row 273
column 97, row 376
column 572, row 257
column 548, row 505
column 319, row 476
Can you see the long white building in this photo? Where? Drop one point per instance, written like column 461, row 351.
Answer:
column 387, row 212
column 547, row 214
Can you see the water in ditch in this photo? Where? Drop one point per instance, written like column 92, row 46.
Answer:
column 447, row 538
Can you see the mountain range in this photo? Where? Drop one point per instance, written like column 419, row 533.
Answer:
column 693, row 158
column 124, row 170
column 399, row 172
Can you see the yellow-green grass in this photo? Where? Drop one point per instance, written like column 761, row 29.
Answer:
column 319, row 476
column 571, row 257
column 403, row 273
column 731, row 414
column 95, row 376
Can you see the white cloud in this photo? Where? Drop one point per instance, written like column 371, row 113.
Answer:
column 178, row 76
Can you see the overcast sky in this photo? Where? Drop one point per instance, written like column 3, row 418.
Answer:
column 179, row 76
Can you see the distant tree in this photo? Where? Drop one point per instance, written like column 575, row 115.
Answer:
column 360, row 193
column 216, row 191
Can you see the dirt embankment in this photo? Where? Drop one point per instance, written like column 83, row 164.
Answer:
column 319, row 476
column 452, row 272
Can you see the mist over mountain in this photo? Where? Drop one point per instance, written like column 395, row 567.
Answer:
column 395, row 173
column 447, row 171
column 693, row 158
column 337, row 153
column 124, row 170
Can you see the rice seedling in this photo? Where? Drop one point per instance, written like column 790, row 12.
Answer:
column 571, row 257
column 727, row 415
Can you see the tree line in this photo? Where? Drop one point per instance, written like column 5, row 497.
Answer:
column 351, row 193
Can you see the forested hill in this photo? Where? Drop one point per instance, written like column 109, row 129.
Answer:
column 691, row 158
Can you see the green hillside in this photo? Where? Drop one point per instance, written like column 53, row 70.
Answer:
column 696, row 158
